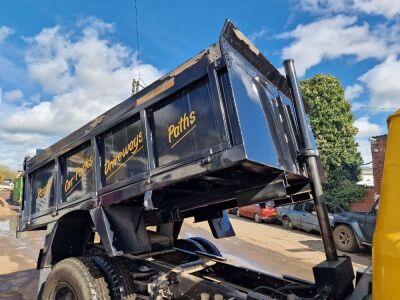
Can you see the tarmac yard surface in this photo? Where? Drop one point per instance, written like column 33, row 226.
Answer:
column 264, row 247
column 18, row 274
column 271, row 248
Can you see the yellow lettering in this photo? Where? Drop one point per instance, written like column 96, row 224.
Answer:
column 192, row 117
column 170, row 132
column 114, row 162
column 140, row 135
column 179, row 130
column 44, row 190
column 180, row 125
column 68, row 185
column 125, row 151
column 80, row 172
column 186, row 123
column 107, row 167
column 132, row 147
column 135, row 144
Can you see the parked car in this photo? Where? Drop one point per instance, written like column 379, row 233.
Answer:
column 300, row 215
column 354, row 230
column 263, row 211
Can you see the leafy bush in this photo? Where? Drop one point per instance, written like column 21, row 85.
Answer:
column 339, row 197
column 7, row 173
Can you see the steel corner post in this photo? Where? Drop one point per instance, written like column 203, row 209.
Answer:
column 309, row 155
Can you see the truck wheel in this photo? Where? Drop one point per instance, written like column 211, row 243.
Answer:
column 209, row 246
column 345, row 239
column 117, row 276
column 238, row 212
column 286, row 223
column 75, row 278
column 189, row 245
column 95, row 251
column 257, row 218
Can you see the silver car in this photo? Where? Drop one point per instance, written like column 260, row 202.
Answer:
column 301, row 215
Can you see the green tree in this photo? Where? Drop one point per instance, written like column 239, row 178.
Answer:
column 7, row 173
column 333, row 125
column 340, row 191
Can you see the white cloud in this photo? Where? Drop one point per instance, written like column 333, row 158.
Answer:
column 344, row 36
column 13, row 95
column 364, row 147
column 258, row 34
column 387, row 8
column 5, row 32
column 83, row 72
column 353, row 91
column 330, row 39
column 15, row 146
column 86, row 75
column 22, row 138
column 324, row 6
column 383, row 83
column 357, row 105
column 366, row 129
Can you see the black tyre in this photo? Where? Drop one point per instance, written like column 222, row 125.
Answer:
column 286, row 223
column 189, row 245
column 75, row 278
column 257, row 218
column 345, row 239
column 207, row 245
column 232, row 210
column 117, row 276
column 95, row 251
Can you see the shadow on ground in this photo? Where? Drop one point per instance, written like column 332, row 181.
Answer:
column 314, row 245
column 19, row 285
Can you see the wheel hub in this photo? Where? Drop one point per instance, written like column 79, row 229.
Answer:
column 63, row 291
column 344, row 238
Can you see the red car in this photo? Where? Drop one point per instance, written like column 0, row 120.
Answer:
column 263, row 211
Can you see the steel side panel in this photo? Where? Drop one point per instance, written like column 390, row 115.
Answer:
column 263, row 135
column 263, row 141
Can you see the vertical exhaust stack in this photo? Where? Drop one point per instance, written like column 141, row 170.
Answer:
column 335, row 275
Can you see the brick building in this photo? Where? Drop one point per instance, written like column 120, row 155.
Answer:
column 378, row 149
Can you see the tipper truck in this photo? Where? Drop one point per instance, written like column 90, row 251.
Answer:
column 225, row 129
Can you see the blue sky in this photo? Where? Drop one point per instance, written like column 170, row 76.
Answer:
column 63, row 63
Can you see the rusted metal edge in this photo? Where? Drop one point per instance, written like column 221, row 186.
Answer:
column 232, row 35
